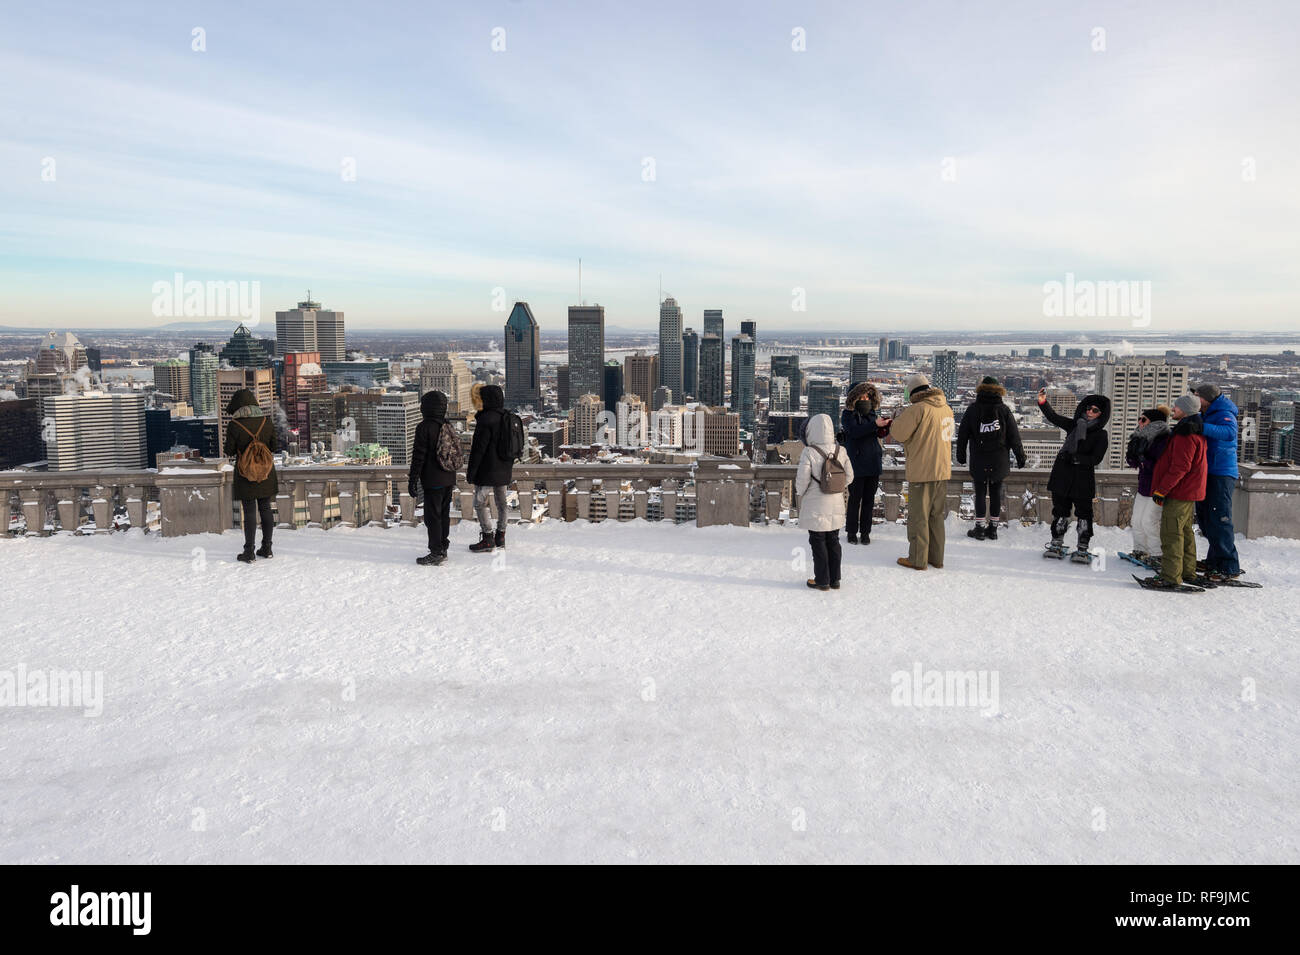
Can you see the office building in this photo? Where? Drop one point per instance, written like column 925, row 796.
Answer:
column 662, row 395
column 198, row 434
column 20, row 433
column 562, row 386
column 641, row 375
column 893, row 350
column 171, row 380
column 882, row 351
column 361, row 373
column 633, row 423
column 778, row 395
column 523, row 388
column 245, row 351
column 396, row 418
column 586, row 350
column 858, row 367
column 586, row 419
column 713, row 323
column 613, row 383
column 670, row 345
column 551, row 434
column 720, row 432
column 750, row 328
column 203, row 379
column 260, row 381
column 95, row 430
column 1132, row 385
column 60, row 353
column 824, row 398
column 711, row 390
column 787, row 367
column 157, row 434
column 742, row 379
column 94, row 360
column 303, row 377
column 690, row 363
column 309, row 328
column 448, row 373
column 945, row 373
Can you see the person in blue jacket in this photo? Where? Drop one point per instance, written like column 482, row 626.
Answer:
column 862, row 440
column 1214, row 514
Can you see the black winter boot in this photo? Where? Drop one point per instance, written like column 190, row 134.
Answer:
column 484, row 545
column 431, row 559
column 977, row 531
column 246, row 555
column 499, row 540
column 265, row 551
column 991, row 532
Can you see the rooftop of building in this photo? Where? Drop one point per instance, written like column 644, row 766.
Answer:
column 647, row 692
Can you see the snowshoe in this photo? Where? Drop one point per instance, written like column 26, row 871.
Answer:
column 1159, row 583
column 1081, row 556
column 1056, row 549
column 1224, row 580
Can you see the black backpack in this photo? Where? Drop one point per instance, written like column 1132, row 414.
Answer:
column 990, row 436
column 510, row 437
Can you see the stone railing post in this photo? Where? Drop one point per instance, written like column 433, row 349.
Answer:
column 555, row 499
column 284, row 501
column 611, row 500
column 100, row 505
column 722, row 494
column 6, row 511
column 467, row 504
column 525, row 494
column 891, row 483
column 584, row 499
column 640, row 498
column 191, row 502
column 1266, row 502
column 33, row 501
column 377, row 498
column 315, row 502
column 668, row 499
column 65, row 499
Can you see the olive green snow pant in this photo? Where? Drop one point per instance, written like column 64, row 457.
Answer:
column 1178, row 541
column 927, row 506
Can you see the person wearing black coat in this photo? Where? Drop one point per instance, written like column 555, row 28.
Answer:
column 1073, row 481
column 487, row 470
column 861, row 439
column 248, row 422
column 439, row 483
column 988, row 429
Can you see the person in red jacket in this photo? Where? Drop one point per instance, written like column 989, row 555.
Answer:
column 1177, row 483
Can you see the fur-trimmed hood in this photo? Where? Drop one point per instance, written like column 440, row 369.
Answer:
column 862, row 390
column 991, row 393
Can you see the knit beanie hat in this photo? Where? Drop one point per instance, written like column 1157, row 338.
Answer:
column 915, row 382
column 989, row 380
column 1188, row 404
column 1155, row 414
column 1208, row 391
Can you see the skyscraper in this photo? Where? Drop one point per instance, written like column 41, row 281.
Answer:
column 586, row 350
column 562, row 386
column 260, row 381
column 883, row 354
column 203, row 380
column 60, row 352
column 448, row 373
column 613, row 387
column 858, row 367
column 396, row 419
column 1133, row 385
column 523, row 369
column 586, row 418
column 742, row 379
column 711, row 376
column 309, row 328
column 670, row 345
column 95, row 430
column 303, row 378
column 690, row 363
column 641, row 375
column 787, row 367
column 824, row 398
column 713, row 323
column 945, row 373
column 892, row 349
column 245, row 351
column 778, row 391
column 172, row 377
column 750, row 328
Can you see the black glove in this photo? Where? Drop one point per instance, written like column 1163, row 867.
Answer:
column 1020, row 463
column 413, row 487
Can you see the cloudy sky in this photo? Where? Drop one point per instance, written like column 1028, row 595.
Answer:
column 917, row 166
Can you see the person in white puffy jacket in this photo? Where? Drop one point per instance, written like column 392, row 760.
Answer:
column 821, row 514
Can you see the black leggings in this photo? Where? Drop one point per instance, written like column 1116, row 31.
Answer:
column 994, row 491
column 825, row 547
column 261, row 507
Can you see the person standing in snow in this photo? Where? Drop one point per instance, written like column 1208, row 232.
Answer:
column 925, row 429
column 249, row 424
column 1219, row 418
column 487, row 470
column 1145, row 446
column 1073, row 481
column 862, row 441
column 438, row 482
column 1177, row 483
column 989, row 429
column 821, row 512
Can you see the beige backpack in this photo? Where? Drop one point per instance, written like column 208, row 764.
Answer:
column 255, row 462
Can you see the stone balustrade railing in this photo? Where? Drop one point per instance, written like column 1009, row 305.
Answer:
column 198, row 499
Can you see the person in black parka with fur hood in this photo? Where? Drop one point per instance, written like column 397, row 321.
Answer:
column 1073, row 481
column 989, row 429
column 487, row 470
column 439, row 483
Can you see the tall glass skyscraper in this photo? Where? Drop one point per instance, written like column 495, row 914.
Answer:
column 670, row 345
column 690, row 363
column 787, row 366
column 711, row 370
column 742, row 379
column 523, row 368
column 824, row 398
column 586, row 351
column 203, row 380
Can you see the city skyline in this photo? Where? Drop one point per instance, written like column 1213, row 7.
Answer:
column 915, row 180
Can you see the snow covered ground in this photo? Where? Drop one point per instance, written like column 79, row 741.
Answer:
column 642, row 693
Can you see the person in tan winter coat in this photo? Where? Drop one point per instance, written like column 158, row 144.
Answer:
column 925, row 429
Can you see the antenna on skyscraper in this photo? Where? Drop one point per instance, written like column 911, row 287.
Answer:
column 661, row 288
column 580, row 302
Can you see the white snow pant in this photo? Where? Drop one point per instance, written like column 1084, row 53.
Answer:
column 1146, row 525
